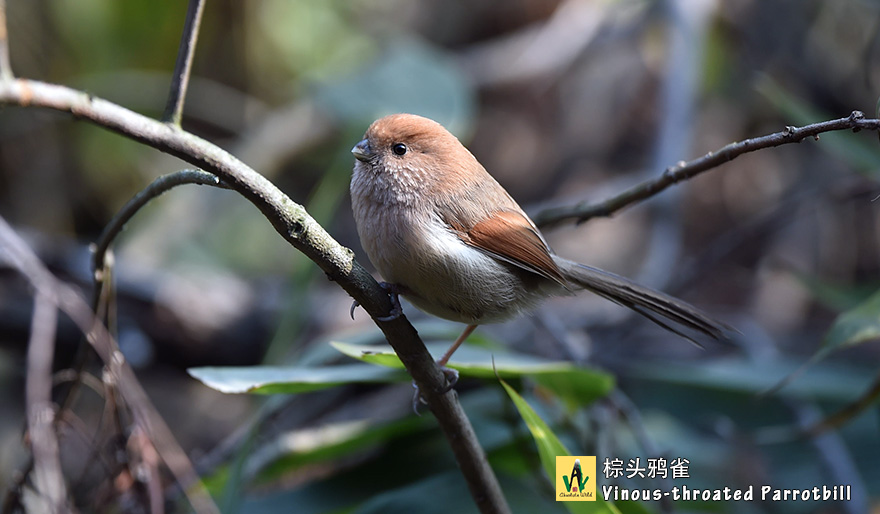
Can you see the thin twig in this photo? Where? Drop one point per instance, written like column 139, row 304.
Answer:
column 101, row 275
column 685, row 170
column 155, row 189
column 76, row 425
column 48, row 479
column 5, row 63
column 23, row 259
column 851, row 410
column 183, row 66
column 102, row 265
column 101, row 308
column 149, row 460
column 298, row 228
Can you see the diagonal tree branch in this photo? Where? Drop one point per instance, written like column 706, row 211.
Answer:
column 297, row 227
column 685, row 170
column 183, row 66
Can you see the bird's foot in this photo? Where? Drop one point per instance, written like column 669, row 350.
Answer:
column 394, row 294
column 451, row 379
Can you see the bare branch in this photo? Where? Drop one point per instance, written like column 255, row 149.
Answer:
column 48, row 479
column 5, row 63
column 146, row 417
column 183, row 66
column 685, row 170
column 102, row 266
column 298, row 228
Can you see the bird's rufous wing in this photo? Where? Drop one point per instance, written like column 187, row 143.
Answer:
column 510, row 236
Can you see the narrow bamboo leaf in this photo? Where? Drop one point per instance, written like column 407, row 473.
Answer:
column 855, row 326
column 840, row 297
column 825, row 382
column 858, row 325
column 289, row 452
column 850, row 411
column 562, row 377
column 549, row 447
column 577, row 387
column 273, row 379
column 382, row 355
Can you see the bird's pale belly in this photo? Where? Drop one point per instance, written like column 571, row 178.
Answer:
column 452, row 279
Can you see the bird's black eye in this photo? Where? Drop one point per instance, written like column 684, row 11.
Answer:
column 399, row 148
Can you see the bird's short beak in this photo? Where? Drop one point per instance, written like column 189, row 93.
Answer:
column 362, row 151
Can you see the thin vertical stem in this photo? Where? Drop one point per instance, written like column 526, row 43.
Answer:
column 48, row 479
column 5, row 63
column 183, row 66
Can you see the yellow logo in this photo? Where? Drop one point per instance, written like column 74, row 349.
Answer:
column 576, row 479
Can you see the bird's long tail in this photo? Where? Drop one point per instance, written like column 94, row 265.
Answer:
column 643, row 300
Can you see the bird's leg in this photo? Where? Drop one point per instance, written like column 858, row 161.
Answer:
column 451, row 374
column 464, row 335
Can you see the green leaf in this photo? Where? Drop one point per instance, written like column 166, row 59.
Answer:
column 835, row 296
column 826, row 382
column 549, row 447
column 848, row 412
column 859, row 324
column 382, row 355
column 856, row 326
column 290, row 451
column 577, row 387
column 273, row 379
column 484, row 363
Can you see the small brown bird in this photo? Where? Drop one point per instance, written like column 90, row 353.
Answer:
column 444, row 234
